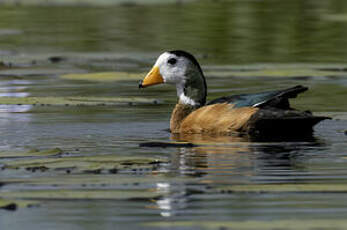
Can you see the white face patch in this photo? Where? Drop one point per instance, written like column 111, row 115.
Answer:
column 172, row 73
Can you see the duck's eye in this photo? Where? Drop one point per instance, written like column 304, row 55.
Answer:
column 172, row 61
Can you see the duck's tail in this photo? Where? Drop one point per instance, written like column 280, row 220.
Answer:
column 285, row 123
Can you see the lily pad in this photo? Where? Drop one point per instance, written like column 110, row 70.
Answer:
column 99, row 180
column 335, row 17
column 256, row 224
column 82, row 194
column 34, row 72
column 32, row 153
column 91, row 164
column 105, row 76
column 271, row 188
column 75, row 101
column 277, row 70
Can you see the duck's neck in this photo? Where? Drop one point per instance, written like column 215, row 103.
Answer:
column 189, row 99
column 191, row 95
column 193, row 90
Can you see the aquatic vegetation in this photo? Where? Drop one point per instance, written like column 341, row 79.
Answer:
column 275, row 188
column 32, row 153
column 256, row 224
column 277, row 70
column 110, row 179
column 34, row 72
column 335, row 17
column 87, row 164
column 82, row 194
column 76, row 171
column 76, row 101
column 105, row 76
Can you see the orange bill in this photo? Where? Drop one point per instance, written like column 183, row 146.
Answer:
column 153, row 77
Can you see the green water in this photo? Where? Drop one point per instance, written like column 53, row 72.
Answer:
column 79, row 165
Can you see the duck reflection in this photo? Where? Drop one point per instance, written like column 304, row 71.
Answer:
column 14, row 88
column 229, row 160
column 256, row 152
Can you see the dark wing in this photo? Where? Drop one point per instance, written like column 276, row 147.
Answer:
column 276, row 99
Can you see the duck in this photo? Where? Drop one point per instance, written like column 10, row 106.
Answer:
column 257, row 114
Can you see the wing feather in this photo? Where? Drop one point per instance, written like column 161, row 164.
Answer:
column 276, row 99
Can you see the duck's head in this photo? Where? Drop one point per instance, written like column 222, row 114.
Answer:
column 181, row 69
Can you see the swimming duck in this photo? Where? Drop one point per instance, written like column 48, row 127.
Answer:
column 264, row 113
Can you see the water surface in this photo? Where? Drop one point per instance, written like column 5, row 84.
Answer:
column 224, row 182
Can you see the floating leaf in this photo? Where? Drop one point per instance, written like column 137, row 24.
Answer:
column 34, row 72
column 75, row 101
column 92, row 164
column 335, row 17
column 97, row 180
column 255, row 224
column 270, row 188
column 32, row 153
column 105, row 76
column 277, row 70
column 8, row 205
column 82, row 194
